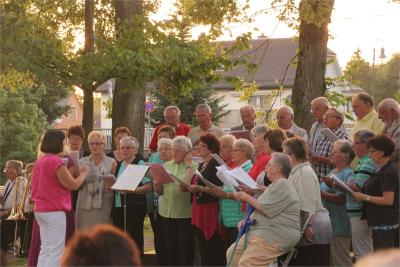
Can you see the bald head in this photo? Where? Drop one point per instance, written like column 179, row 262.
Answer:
column 319, row 106
column 285, row 117
column 388, row 111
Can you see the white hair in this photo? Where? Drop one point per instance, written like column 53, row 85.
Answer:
column 205, row 107
column 172, row 108
column 182, row 142
column 130, row 141
column 390, row 103
column 248, row 107
column 321, row 100
column 164, row 141
column 287, row 109
column 246, row 145
column 259, row 129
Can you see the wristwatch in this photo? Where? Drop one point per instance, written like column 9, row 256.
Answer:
column 368, row 198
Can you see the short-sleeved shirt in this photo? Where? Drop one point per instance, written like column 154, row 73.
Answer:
column 196, row 132
column 281, row 221
column 181, row 129
column 48, row 193
column 385, row 179
column 368, row 122
column 324, row 149
column 173, row 203
column 364, row 170
column 337, row 212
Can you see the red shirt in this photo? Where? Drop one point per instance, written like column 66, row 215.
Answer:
column 181, row 129
column 259, row 165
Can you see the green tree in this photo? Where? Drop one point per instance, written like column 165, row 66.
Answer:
column 22, row 120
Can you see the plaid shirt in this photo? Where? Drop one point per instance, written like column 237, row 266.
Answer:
column 324, row 149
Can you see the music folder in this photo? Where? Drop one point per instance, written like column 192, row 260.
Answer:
column 130, row 178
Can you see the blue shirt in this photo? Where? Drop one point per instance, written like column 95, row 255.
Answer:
column 337, row 212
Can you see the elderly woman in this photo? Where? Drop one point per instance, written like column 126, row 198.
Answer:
column 95, row 200
column 165, row 153
column 381, row 194
column 277, row 216
column 231, row 210
column 314, row 247
column 335, row 202
column 333, row 120
column 205, row 207
column 175, row 209
column 226, row 147
column 135, row 201
column 165, row 131
column 260, row 148
column 118, row 134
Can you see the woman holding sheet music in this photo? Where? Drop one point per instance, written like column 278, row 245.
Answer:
column 135, row 201
column 205, row 207
column 94, row 199
column 334, row 200
column 175, row 209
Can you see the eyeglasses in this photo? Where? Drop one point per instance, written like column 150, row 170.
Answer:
column 95, row 144
column 126, row 147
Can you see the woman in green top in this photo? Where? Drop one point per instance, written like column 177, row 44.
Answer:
column 175, row 209
column 231, row 212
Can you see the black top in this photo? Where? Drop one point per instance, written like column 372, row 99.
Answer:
column 386, row 179
column 210, row 173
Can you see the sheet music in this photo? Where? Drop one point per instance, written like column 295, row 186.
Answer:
column 159, row 174
column 198, row 160
column 179, row 181
column 208, row 183
column 130, row 178
column 242, row 177
column 329, row 134
column 225, row 177
column 341, row 184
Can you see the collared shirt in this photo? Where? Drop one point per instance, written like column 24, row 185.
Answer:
column 196, row 132
column 364, row 170
column 324, row 149
column 337, row 212
column 393, row 131
column 181, row 129
column 315, row 132
column 241, row 127
column 174, row 203
column 7, row 194
column 368, row 122
column 296, row 130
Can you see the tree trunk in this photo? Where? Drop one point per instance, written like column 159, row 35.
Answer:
column 87, row 117
column 310, row 73
column 128, row 102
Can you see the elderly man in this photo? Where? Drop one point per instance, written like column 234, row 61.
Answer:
column 248, row 116
column 13, row 171
column 389, row 113
column 319, row 106
column 333, row 120
column 204, row 119
column 285, row 118
column 367, row 118
column 172, row 117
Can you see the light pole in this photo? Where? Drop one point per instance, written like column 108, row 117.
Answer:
column 381, row 56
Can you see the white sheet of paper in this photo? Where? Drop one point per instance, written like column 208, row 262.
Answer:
column 242, row 177
column 109, row 179
column 130, row 178
column 218, row 159
column 329, row 134
column 223, row 175
column 341, row 184
column 198, row 160
column 208, row 183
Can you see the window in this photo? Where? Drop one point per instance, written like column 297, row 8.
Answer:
column 258, row 101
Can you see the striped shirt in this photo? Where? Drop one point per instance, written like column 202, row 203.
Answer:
column 360, row 176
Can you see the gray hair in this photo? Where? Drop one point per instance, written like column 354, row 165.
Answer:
column 182, row 142
column 130, row 141
column 246, row 145
column 283, row 161
column 364, row 135
column 205, row 107
column 390, row 103
column 164, row 141
column 248, row 107
column 339, row 114
column 287, row 109
column 346, row 149
column 16, row 164
column 227, row 138
column 259, row 129
column 172, row 108
column 321, row 100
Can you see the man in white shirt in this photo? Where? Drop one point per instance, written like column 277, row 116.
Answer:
column 204, row 119
column 285, row 118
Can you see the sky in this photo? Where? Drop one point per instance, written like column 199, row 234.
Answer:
column 363, row 24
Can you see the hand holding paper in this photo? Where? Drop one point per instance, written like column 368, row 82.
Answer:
column 341, row 184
